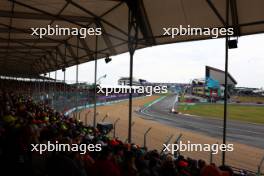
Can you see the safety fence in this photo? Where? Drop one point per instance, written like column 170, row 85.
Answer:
column 149, row 137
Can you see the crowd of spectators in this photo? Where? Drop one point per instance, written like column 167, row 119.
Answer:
column 24, row 122
column 27, row 86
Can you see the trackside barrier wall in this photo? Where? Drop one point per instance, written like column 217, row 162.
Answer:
column 79, row 108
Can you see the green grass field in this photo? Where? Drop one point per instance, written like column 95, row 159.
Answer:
column 248, row 99
column 244, row 113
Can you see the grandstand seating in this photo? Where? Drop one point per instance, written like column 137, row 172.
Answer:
column 24, row 122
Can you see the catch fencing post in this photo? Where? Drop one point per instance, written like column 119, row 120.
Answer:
column 86, row 119
column 77, row 75
column 95, row 79
column 75, row 114
column 127, row 139
column 145, row 136
column 176, row 142
column 259, row 167
column 114, row 132
column 106, row 116
column 167, row 142
column 48, row 84
column 211, row 156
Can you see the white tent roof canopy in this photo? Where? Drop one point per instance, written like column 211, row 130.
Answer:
column 22, row 53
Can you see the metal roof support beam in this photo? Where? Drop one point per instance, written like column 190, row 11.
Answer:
column 63, row 58
column 39, row 67
column 55, row 61
column 27, row 58
column 33, row 53
column 117, row 45
column 16, row 53
column 106, row 38
column 87, row 49
column 73, row 54
column 235, row 22
column 221, row 19
column 13, row 55
column 96, row 17
column 46, row 62
column 62, row 18
column 30, row 40
column 24, row 46
column 13, row 60
column 28, row 47
column 29, row 32
column 59, row 41
column 252, row 23
column 47, row 59
column 43, row 63
column 57, row 17
column 37, row 16
column 43, row 66
column 10, row 23
column 34, row 71
column 6, row 30
column 9, row 73
column 142, row 21
column 101, row 16
column 36, row 66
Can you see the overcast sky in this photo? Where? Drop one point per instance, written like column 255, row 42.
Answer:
column 182, row 62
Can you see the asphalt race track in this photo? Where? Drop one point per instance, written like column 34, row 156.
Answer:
column 242, row 132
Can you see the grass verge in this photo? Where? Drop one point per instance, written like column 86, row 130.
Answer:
column 253, row 114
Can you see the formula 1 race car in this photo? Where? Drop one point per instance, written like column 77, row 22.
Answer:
column 174, row 111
